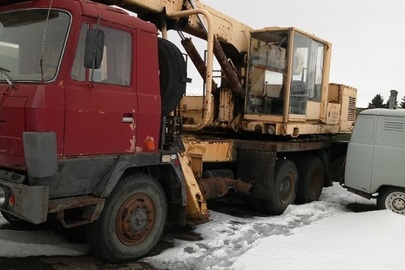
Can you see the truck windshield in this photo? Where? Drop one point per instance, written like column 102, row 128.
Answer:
column 32, row 42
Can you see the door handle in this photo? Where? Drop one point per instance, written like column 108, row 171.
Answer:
column 127, row 119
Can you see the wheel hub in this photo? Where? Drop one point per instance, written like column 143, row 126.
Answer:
column 396, row 202
column 286, row 189
column 135, row 219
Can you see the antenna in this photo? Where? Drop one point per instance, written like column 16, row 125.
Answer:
column 43, row 42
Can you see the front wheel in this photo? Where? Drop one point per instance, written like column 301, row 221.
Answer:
column 132, row 221
column 392, row 199
column 17, row 222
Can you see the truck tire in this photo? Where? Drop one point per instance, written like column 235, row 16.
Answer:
column 17, row 222
column 392, row 199
column 131, row 222
column 173, row 74
column 285, row 187
column 310, row 179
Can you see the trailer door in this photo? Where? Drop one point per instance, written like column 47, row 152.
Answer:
column 389, row 155
column 360, row 154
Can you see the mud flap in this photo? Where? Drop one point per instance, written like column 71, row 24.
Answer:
column 40, row 153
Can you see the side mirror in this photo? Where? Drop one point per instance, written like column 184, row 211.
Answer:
column 93, row 54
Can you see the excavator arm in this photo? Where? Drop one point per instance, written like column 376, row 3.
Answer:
column 227, row 29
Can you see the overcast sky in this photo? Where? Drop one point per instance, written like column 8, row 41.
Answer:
column 368, row 37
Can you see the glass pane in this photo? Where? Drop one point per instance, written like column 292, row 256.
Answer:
column 116, row 65
column 307, row 70
column 31, row 43
column 78, row 70
column 267, row 70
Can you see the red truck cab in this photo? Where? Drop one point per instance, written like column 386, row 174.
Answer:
column 115, row 109
column 81, row 123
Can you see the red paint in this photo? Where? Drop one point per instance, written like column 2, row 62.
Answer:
column 88, row 120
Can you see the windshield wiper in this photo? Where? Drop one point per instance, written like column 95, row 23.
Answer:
column 9, row 80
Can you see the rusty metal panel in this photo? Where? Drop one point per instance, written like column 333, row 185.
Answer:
column 227, row 28
column 333, row 95
column 333, row 114
column 31, row 202
column 212, row 149
column 262, row 179
column 281, row 146
column 226, row 106
column 348, row 112
column 196, row 208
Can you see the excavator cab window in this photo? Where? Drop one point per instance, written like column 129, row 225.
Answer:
column 267, row 73
column 269, row 76
column 306, row 77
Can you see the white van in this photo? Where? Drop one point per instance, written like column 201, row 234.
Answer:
column 375, row 161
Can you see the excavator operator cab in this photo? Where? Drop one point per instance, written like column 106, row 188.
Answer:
column 286, row 73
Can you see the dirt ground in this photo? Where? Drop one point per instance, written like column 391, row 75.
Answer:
column 89, row 262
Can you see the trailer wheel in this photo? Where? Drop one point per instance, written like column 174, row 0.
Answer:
column 310, row 179
column 285, row 187
column 392, row 199
column 131, row 222
column 173, row 74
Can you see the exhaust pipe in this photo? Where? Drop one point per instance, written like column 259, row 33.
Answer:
column 216, row 187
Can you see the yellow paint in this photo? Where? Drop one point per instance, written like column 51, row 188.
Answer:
column 196, row 208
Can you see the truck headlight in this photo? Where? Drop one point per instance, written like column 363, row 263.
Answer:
column 2, row 197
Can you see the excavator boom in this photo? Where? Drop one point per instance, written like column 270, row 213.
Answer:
column 227, row 29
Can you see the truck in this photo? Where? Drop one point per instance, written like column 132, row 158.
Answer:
column 374, row 161
column 96, row 130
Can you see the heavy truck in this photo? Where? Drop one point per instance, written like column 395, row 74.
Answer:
column 96, row 130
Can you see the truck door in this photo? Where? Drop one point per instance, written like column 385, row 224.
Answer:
column 360, row 154
column 101, row 105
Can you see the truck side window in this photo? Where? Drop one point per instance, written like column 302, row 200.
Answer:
column 116, row 65
column 78, row 72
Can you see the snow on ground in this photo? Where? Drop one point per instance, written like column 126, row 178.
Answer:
column 328, row 234
column 319, row 235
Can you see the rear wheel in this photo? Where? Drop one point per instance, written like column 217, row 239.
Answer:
column 311, row 178
column 131, row 222
column 392, row 199
column 285, row 187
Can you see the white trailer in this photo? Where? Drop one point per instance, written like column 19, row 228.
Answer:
column 375, row 161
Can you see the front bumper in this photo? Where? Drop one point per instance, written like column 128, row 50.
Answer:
column 30, row 203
